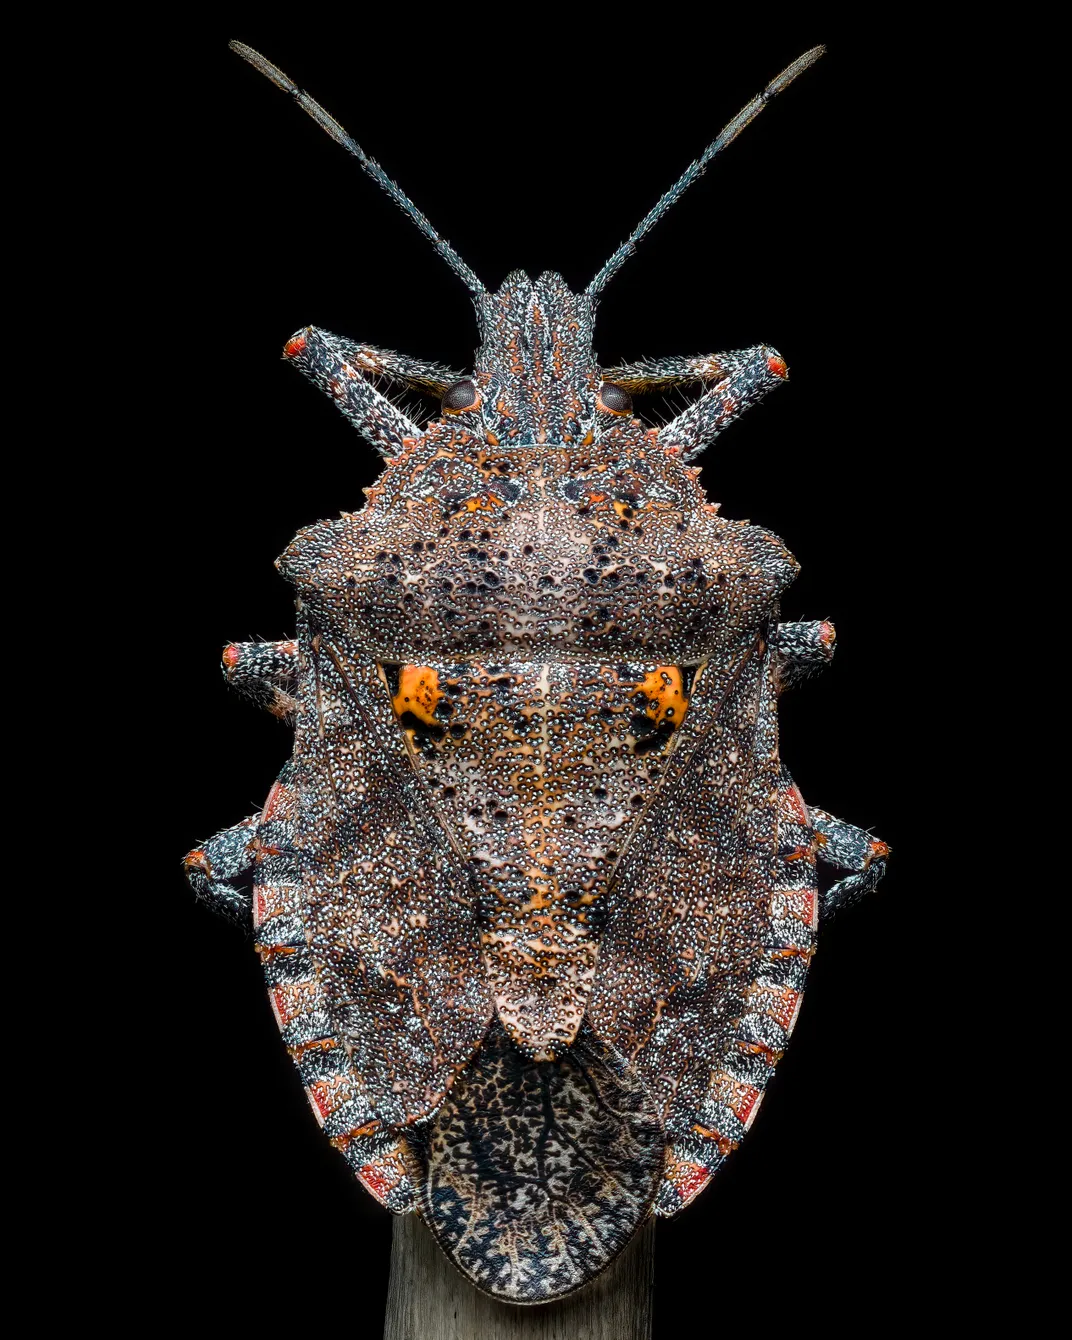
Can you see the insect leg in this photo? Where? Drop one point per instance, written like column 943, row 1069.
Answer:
column 848, row 848
column 430, row 378
column 265, row 672
column 741, row 379
column 802, row 649
column 326, row 360
column 663, row 374
column 221, row 871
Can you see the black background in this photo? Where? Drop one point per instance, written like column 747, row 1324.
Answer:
column 537, row 141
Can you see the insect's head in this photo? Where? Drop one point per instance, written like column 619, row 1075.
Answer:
column 536, row 380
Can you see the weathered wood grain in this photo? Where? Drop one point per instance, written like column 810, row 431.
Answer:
column 428, row 1299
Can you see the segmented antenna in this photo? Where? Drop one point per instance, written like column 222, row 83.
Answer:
column 696, row 170
column 328, row 123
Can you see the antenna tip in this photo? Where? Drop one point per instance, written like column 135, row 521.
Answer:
column 790, row 73
column 270, row 71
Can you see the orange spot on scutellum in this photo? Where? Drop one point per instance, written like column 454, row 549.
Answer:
column 294, row 346
column 672, row 451
column 776, row 363
column 231, row 656
column 827, row 634
column 418, row 693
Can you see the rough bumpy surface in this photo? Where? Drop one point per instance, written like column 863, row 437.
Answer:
column 535, row 895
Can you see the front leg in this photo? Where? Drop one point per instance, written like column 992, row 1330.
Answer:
column 802, row 649
column 432, row 379
column 739, row 380
column 344, row 371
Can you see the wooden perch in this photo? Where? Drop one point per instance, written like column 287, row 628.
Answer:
column 428, row 1299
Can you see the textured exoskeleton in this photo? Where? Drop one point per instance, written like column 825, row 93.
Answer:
column 535, row 894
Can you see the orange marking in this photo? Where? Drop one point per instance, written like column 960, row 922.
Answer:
column 667, row 703
column 794, row 804
column 231, row 656
column 784, row 1008
column 277, row 797
column 317, row 1045
column 294, row 346
column 378, row 1182
column 758, row 1049
column 419, row 693
column 777, row 365
column 197, row 860
column 321, row 1098
column 744, row 1102
column 691, row 1182
column 879, row 849
column 725, row 1146
column 827, row 634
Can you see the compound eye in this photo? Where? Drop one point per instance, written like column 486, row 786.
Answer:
column 614, row 400
column 460, row 397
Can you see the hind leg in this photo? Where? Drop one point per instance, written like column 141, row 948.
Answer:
column 846, row 847
column 221, row 871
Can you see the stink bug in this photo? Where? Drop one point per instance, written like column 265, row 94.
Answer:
column 535, row 895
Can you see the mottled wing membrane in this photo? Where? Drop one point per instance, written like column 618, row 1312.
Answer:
column 534, row 1175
